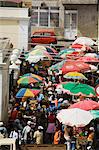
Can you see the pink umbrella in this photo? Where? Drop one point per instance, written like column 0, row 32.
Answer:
column 72, row 66
column 86, row 105
column 88, row 59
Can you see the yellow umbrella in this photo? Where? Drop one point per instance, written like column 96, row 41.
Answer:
column 74, row 75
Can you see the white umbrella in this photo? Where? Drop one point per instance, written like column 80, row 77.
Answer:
column 93, row 68
column 91, row 55
column 74, row 117
column 40, row 47
column 84, row 41
column 34, row 59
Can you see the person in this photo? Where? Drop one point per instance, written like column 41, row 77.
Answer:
column 57, row 136
column 90, row 137
column 38, row 135
column 67, row 137
column 73, row 138
column 26, row 131
column 3, row 129
column 51, row 126
column 14, row 135
column 1, row 134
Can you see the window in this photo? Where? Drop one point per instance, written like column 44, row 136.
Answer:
column 43, row 18
column 47, row 17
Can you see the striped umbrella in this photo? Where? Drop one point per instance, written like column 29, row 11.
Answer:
column 34, row 76
column 26, row 80
column 25, row 92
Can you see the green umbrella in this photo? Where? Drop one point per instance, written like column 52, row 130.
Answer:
column 76, row 88
column 95, row 113
column 64, row 52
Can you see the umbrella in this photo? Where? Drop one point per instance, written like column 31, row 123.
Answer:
column 74, row 117
column 80, row 47
column 88, row 59
column 51, row 50
column 65, row 52
column 24, row 92
column 84, row 41
column 86, row 105
column 26, row 80
column 74, row 55
column 91, row 54
column 37, row 55
column 57, row 66
column 95, row 113
column 74, row 75
column 76, row 88
column 36, row 77
column 93, row 68
column 72, row 66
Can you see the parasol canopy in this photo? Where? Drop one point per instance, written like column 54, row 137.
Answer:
column 86, row 105
column 95, row 113
column 72, row 66
column 74, row 117
column 84, row 41
column 26, row 92
column 88, row 59
column 34, row 76
column 74, row 75
column 76, row 88
column 26, row 80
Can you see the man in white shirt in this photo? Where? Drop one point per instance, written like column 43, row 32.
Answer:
column 14, row 134
column 25, row 131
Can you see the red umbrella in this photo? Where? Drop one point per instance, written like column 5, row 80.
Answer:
column 72, row 66
column 86, row 105
column 75, row 55
column 81, row 46
column 88, row 59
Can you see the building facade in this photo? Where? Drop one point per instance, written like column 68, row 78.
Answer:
column 68, row 18
column 4, row 78
column 14, row 25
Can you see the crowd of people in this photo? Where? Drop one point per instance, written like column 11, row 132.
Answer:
column 33, row 120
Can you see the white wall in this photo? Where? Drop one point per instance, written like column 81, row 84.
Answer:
column 23, row 34
column 13, row 12
column 14, row 25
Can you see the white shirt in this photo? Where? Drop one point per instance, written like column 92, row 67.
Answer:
column 25, row 131
column 14, row 134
